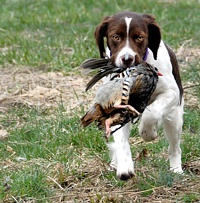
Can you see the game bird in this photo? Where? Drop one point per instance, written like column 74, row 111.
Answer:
column 123, row 98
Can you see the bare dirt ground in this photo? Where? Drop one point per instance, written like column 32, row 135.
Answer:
column 25, row 86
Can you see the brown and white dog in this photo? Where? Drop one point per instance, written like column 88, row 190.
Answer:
column 131, row 38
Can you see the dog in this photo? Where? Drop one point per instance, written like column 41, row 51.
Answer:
column 131, row 38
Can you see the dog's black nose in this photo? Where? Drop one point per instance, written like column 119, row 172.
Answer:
column 128, row 60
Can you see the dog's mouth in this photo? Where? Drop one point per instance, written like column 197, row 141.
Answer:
column 127, row 62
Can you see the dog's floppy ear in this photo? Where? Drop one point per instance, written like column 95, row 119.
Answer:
column 100, row 33
column 154, row 34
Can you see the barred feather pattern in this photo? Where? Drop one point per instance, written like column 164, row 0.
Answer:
column 125, row 91
column 127, row 83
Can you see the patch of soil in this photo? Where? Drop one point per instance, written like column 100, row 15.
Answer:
column 193, row 166
column 23, row 86
column 186, row 54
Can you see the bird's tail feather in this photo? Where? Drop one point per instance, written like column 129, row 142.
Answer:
column 102, row 73
column 92, row 114
column 95, row 63
column 104, row 67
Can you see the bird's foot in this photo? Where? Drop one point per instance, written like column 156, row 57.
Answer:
column 108, row 130
column 128, row 107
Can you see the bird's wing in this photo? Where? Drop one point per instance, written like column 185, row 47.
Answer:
column 102, row 73
column 109, row 94
column 110, row 69
column 104, row 68
column 94, row 63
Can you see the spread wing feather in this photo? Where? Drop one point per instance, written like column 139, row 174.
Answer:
column 95, row 63
column 104, row 66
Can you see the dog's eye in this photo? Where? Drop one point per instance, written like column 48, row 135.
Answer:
column 140, row 38
column 115, row 37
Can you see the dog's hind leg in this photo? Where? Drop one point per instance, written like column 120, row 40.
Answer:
column 173, row 128
column 170, row 114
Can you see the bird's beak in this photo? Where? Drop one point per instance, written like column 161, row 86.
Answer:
column 159, row 73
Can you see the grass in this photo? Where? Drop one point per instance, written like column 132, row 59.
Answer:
column 47, row 156
column 39, row 33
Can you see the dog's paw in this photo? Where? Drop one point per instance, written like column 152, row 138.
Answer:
column 177, row 170
column 125, row 170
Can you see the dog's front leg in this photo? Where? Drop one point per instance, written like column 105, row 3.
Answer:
column 121, row 153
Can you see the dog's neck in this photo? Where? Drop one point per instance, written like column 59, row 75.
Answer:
column 146, row 55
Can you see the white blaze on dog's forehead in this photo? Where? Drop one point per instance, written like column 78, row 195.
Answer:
column 128, row 22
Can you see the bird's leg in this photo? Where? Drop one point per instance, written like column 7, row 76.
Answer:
column 108, row 131
column 128, row 107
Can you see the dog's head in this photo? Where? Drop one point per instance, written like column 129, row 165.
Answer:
column 128, row 35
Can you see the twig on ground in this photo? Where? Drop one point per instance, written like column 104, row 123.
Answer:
column 180, row 50
column 190, row 86
column 56, row 183
column 15, row 199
